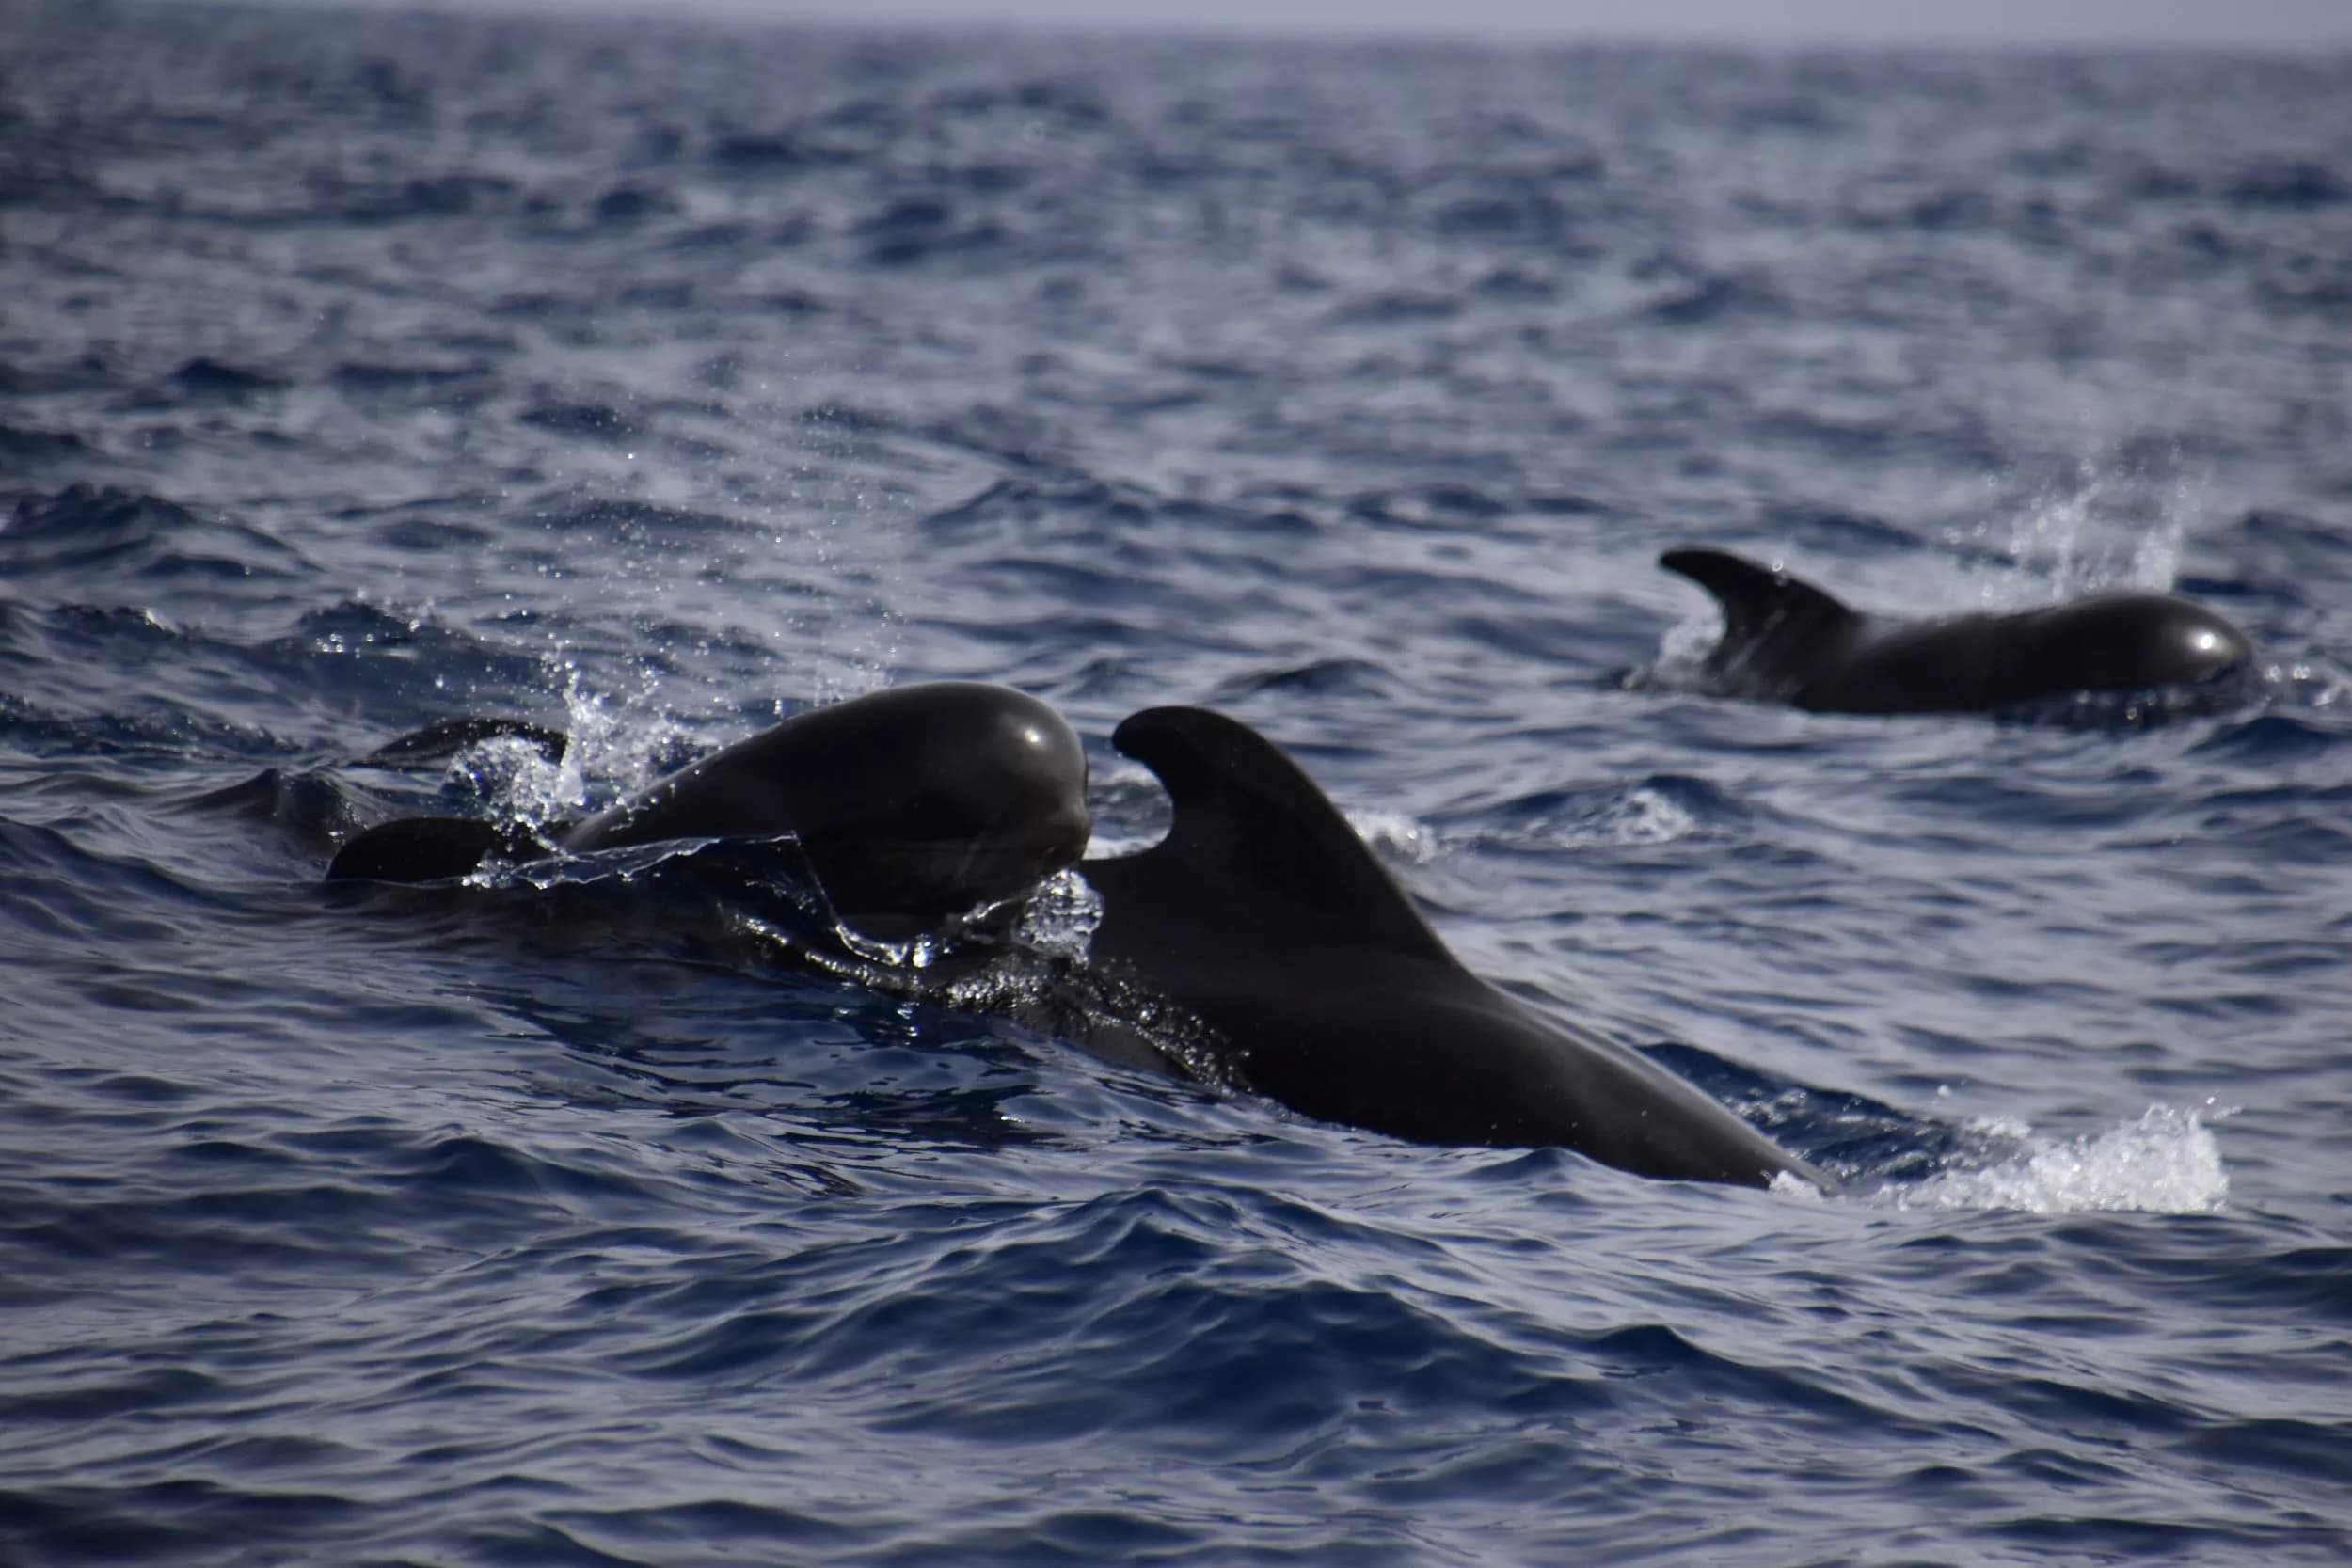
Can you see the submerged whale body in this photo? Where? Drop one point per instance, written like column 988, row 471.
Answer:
column 921, row 801
column 1787, row 640
column 1262, row 917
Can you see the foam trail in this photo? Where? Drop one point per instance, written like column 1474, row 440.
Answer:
column 2166, row 1161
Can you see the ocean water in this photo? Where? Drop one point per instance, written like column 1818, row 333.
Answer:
column 657, row 379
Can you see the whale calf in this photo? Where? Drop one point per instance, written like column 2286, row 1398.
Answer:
column 1263, row 919
column 1787, row 640
column 917, row 802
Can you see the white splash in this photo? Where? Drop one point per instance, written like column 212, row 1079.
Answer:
column 1061, row 916
column 1642, row 815
column 1397, row 833
column 519, row 781
column 1682, row 652
column 2117, row 523
column 514, row 778
column 2167, row 1162
column 1794, row 1189
column 624, row 746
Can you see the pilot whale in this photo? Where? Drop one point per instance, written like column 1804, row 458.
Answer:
column 917, row 802
column 1263, row 918
column 1785, row 640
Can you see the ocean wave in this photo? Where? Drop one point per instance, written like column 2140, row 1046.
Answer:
column 646, row 383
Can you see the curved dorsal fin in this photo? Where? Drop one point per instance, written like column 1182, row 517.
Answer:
column 430, row 849
column 1256, row 849
column 1762, row 604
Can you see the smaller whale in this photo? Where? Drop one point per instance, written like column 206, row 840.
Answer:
column 910, row 804
column 1786, row 641
column 1263, row 918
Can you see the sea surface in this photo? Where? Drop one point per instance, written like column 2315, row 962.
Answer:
column 657, row 379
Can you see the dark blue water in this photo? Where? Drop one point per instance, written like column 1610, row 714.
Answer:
column 360, row 371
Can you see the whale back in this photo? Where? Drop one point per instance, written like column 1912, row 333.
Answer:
column 1785, row 640
column 1262, row 917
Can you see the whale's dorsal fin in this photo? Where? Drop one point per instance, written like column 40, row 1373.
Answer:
column 1256, row 849
column 1764, row 607
column 430, row 849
